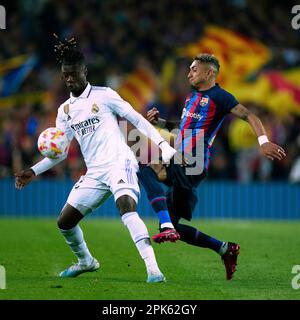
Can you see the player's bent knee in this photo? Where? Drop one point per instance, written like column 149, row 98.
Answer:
column 60, row 223
column 126, row 198
column 68, row 218
column 66, row 224
column 126, row 203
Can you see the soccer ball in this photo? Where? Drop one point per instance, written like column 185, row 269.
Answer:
column 53, row 143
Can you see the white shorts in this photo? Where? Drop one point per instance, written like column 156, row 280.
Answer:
column 91, row 192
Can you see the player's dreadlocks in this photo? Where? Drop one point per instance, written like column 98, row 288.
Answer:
column 210, row 59
column 67, row 52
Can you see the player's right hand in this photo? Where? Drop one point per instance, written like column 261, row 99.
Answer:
column 167, row 152
column 153, row 115
column 23, row 178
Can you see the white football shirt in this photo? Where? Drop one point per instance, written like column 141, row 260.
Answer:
column 92, row 119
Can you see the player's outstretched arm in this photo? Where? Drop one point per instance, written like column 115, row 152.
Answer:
column 124, row 109
column 268, row 149
column 23, row 178
column 153, row 118
column 167, row 152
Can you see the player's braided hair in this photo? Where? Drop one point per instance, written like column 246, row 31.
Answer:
column 208, row 58
column 67, row 52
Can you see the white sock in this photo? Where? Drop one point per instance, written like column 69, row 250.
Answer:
column 74, row 238
column 223, row 248
column 167, row 225
column 140, row 236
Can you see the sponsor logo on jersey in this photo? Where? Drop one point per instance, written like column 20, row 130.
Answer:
column 194, row 115
column 86, row 126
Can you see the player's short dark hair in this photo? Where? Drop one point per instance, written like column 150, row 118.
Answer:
column 210, row 59
column 67, row 52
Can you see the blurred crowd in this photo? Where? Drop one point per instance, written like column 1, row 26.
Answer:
column 114, row 37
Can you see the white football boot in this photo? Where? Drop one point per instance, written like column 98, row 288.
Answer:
column 156, row 277
column 77, row 269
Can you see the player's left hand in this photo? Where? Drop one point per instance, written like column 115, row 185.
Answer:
column 23, row 178
column 272, row 151
column 153, row 116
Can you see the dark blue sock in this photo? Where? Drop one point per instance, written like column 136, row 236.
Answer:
column 197, row 238
column 155, row 193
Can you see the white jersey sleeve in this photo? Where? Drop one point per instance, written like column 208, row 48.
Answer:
column 61, row 123
column 124, row 109
column 46, row 164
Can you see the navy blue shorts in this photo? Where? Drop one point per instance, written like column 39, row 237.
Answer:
column 181, row 195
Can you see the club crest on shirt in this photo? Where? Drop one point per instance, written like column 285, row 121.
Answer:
column 204, row 101
column 95, row 108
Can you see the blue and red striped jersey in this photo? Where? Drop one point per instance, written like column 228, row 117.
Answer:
column 203, row 114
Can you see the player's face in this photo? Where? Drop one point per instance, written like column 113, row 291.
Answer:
column 199, row 73
column 74, row 77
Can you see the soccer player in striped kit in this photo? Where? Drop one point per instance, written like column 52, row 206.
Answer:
column 204, row 111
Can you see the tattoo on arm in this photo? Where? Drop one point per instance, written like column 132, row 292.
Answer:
column 241, row 112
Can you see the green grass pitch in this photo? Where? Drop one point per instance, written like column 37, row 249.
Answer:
column 33, row 253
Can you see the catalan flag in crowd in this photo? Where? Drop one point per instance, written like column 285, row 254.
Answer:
column 284, row 96
column 139, row 88
column 239, row 56
column 279, row 92
column 242, row 60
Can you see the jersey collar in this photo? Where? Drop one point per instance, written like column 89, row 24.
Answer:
column 197, row 90
column 85, row 94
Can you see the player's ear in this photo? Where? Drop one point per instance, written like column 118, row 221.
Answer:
column 85, row 71
column 210, row 72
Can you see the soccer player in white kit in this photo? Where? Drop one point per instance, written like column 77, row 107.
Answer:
column 90, row 115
